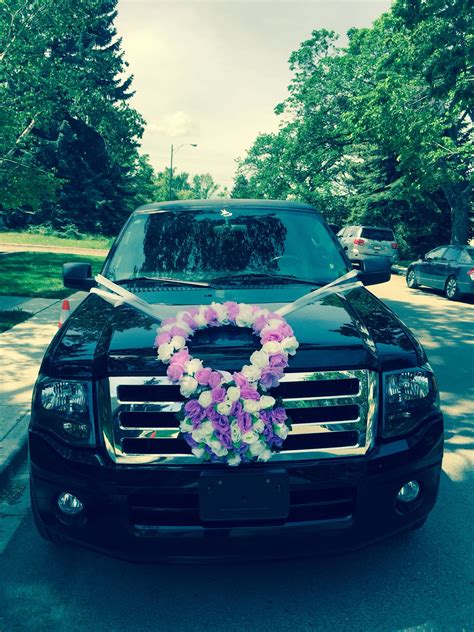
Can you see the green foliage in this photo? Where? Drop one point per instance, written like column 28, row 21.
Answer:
column 201, row 187
column 69, row 138
column 39, row 273
column 379, row 132
column 10, row 318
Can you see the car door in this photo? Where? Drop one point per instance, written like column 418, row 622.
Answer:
column 446, row 266
column 425, row 267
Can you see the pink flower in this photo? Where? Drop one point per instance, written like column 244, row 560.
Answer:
column 177, row 331
column 247, row 392
column 218, row 394
column 232, row 309
column 180, row 358
column 272, row 335
column 240, row 380
column 259, row 324
column 278, row 360
column 175, row 372
column 162, row 338
column 211, row 317
column 188, row 318
column 202, row 376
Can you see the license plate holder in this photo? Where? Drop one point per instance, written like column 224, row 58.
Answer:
column 243, row 495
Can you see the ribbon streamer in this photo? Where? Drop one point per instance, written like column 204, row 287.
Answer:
column 119, row 295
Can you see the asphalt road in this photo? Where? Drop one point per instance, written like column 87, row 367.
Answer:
column 421, row 581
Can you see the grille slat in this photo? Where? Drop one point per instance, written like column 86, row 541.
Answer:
column 332, row 414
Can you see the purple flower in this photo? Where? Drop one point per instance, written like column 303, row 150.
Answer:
column 225, row 439
column 236, row 409
column 279, row 415
column 181, row 357
column 211, row 317
column 244, row 421
column 272, row 336
column 270, row 376
column 279, row 360
column 259, row 324
column 194, row 411
column 232, row 309
column 247, row 392
column 220, row 422
column 218, row 394
column 190, row 441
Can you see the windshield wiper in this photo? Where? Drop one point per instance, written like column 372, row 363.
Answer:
column 262, row 276
column 169, row 280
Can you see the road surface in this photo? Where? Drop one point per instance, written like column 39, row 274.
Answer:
column 421, row 581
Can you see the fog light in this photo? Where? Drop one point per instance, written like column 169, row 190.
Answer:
column 409, row 492
column 69, row 504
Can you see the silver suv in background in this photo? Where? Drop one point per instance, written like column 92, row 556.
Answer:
column 368, row 240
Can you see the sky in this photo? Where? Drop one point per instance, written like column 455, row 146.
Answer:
column 211, row 72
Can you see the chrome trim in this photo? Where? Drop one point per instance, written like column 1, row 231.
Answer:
column 366, row 398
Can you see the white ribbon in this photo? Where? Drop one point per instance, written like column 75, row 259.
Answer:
column 119, row 295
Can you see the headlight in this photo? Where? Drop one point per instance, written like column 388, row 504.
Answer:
column 409, row 396
column 65, row 408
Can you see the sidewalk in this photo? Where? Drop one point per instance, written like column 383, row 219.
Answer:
column 99, row 252
column 21, row 351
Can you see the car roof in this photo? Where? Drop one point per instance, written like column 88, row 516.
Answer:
column 223, row 203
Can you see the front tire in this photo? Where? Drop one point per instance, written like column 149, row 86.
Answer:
column 411, row 279
column 451, row 289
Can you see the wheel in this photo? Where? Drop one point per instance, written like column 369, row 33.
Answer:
column 411, row 279
column 451, row 289
column 418, row 524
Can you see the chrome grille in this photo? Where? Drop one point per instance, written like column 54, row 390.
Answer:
column 332, row 415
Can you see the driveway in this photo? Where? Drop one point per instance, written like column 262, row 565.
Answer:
column 421, row 581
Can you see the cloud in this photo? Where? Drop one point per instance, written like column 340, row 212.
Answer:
column 175, row 124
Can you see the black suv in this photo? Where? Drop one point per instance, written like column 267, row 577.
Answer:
column 108, row 466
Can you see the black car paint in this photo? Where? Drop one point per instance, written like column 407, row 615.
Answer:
column 340, row 332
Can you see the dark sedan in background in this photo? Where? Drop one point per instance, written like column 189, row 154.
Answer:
column 447, row 268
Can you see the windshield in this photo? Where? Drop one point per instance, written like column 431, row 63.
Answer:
column 378, row 234
column 201, row 245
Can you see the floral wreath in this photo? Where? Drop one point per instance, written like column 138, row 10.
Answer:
column 228, row 417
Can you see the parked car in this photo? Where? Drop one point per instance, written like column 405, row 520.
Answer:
column 360, row 241
column 447, row 268
column 109, row 468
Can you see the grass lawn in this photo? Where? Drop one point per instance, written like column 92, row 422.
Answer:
column 89, row 241
column 10, row 318
column 38, row 273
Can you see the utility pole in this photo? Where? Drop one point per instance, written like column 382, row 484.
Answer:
column 170, row 194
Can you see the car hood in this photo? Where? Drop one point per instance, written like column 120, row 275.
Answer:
column 355, row 330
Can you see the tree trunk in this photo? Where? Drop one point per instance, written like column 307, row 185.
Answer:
column 459, row 197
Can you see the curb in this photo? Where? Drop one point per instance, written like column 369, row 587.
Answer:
column 15, row 447
column 399, row 270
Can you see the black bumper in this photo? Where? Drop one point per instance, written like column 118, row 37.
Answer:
column 336, row 504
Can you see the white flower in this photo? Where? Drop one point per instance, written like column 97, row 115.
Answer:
column 186, row 425
column 198, row 452
column 165, row 351
column 198, row 435
column 200, row 318
column 251, row 405
column 265, row 455
column 226, row 376
column 257, row 448
column 234, row 460
column 252, row 373
column 233, row 393
column 188, row 385
column 178, row 342
column 235, row 432
column 259, row 359
column 184, row 326
column 224, row 408
column 266, row 401
column 245, row 317
column 281, row 430
column 193, row 366
column 205, row 399
column 259, row 426
column 274, row 323
column 221, row 312
column 217, row 447
column 250, row 437
column 290, row 345
column 272, row 347
column 207, row 428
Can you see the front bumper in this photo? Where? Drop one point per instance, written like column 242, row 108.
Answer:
column 354, row 502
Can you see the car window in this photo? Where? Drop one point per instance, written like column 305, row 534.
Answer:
column 467, row 256
column 378, row 234
column 451, row 254
column 341, row 232
column 437, row 253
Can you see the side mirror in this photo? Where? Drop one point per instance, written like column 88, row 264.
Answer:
column 421, row 257
column 373, row 270
column 78, row 276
